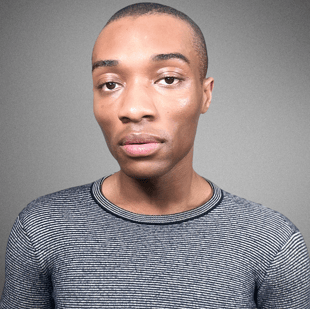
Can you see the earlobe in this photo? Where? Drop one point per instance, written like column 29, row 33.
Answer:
column 207, row 85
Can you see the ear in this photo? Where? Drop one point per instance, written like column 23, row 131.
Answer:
column 207, row 85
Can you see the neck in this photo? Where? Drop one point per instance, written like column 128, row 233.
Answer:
column 176, row 191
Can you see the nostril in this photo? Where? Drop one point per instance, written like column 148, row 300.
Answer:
column 124, row 119
column 134, row 109
column 150, row 117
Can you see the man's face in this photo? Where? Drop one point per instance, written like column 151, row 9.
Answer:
column 148, row 95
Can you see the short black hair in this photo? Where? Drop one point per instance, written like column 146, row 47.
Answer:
column 143, row 8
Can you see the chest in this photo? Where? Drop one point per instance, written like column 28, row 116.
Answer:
column 153, row 268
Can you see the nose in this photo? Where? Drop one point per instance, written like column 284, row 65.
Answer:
column 137, row 104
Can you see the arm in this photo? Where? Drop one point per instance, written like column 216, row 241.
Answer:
column 27, row 285
column 287, row 281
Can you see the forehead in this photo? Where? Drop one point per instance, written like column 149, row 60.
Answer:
column 144, row 36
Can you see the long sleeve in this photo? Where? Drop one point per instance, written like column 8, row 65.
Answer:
column 66, row 252
column 26, row 284
column 287, row 281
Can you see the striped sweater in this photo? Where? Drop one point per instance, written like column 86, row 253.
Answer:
column 75, row 249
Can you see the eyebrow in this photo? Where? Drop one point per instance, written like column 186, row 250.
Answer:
column 162, row 57
column 104, row 63
column 159, row 57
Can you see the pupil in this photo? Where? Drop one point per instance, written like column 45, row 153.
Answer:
column 169, row 80
column 110, row 85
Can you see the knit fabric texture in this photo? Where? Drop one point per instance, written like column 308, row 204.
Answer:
column 75, row 249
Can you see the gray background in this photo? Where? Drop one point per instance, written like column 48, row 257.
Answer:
column 253, row 141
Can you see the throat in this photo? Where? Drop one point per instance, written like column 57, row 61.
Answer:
column 151, row 197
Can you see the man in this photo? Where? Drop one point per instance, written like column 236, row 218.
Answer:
column 155, row 234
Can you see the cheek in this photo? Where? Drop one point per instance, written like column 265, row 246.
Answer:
column 182, row 120
column 100, row 116
column 184, row 102
column 186, row 112
column 104, row 120
column 103, row 112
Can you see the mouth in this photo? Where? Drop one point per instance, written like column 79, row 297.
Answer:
column 137, row 145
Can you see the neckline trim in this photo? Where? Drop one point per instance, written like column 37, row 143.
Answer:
column 117, row 211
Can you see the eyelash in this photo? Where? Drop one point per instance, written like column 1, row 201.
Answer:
column 174, row 79
column 101, row 86
column 105, row 84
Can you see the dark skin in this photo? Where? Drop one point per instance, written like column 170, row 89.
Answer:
column 147, row 89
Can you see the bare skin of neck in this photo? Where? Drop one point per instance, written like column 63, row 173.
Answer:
column 174, row 192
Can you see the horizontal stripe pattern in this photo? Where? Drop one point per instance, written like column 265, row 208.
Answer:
column 162, row 219
column 75, row 249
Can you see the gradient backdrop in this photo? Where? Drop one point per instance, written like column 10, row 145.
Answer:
column 253, row 142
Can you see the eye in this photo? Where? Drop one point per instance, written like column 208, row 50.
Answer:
column 169, row 80
column 109, row 86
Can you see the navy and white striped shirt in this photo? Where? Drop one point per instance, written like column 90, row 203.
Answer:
column 75, row 249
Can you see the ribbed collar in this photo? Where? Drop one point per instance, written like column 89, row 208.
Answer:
column 155, row 219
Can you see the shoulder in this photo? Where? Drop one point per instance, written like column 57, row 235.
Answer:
column 260, row 233
column 255, row 215
column 57, row 204
column 255, row 226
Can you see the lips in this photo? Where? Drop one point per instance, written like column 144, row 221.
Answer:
column 136, row 145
